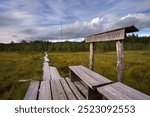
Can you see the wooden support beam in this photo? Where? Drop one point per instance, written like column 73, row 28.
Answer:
column 120, row 60
column 91, row 65
column 73, row 76
column 93, row 95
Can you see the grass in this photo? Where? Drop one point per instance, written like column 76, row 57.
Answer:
column 137, row 66
column 15, row 66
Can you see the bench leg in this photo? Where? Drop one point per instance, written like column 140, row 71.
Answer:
column 93, row 95
column 74, row 77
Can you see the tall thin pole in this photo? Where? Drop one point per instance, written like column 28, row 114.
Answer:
column 61, row 31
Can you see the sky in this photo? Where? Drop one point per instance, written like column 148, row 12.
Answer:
column 32, row 20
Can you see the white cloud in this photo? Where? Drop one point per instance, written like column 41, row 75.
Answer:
column 71, row 31
column 140, row 20
column 40, row 19
column 75, row 30
column 16, row 19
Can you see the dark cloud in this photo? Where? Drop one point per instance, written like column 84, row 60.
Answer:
column 7, row 20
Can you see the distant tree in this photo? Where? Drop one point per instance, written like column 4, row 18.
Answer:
column 12, row 42
column 23, row 41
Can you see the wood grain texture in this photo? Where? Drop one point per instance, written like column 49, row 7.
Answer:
column 91, row 58
column 61, row 91
column 32, row 91
column 84, row 76
column 46, row 71
column 75, row 90
column 99, row 78
column 54, row 73
column 119, row 91
column 45, row 91
column 120, row 61
column 55, row 94
column 133, row 93
column 81, row 88
column 67, row 90
column 107, row 36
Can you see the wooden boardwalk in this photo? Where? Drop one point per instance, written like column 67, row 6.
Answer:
column 54, row 87
column 82, row 84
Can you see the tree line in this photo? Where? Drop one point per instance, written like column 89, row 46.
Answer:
column 132, row 42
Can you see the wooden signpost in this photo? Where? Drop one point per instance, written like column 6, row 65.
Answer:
column 117, row 35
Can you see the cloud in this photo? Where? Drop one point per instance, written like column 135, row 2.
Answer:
column 140, row 20
column 96, row 25
column 40, row 19
column 16, row 19
column 71, row 31
column 79, row 29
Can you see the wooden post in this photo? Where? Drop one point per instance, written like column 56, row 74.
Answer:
column 91, row 65
column 120, row 60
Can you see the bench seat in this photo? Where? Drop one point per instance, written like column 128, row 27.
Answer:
column 89, row 77
column 119, row 91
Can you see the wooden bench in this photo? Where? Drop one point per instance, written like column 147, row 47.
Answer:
column 119, row 91
column 90, row 78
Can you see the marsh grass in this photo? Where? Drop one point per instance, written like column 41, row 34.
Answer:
column 137, row 66
column 15, row 66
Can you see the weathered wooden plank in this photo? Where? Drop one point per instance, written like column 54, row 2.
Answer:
column 119, row 91
column 75, row 90
column 67, row 90
column 99, row 78
column 45, row 91
column 57, row 90
column 107, row 36
column 85, row 77
column 129, row 91
column 112, row 94
column 54, row 73
column 91, row 65
column 60, row 90
column 120, row 61
column 46, row 72
column 86, row 86
column 32, row 91
column 55, row 94
column 81, row 88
